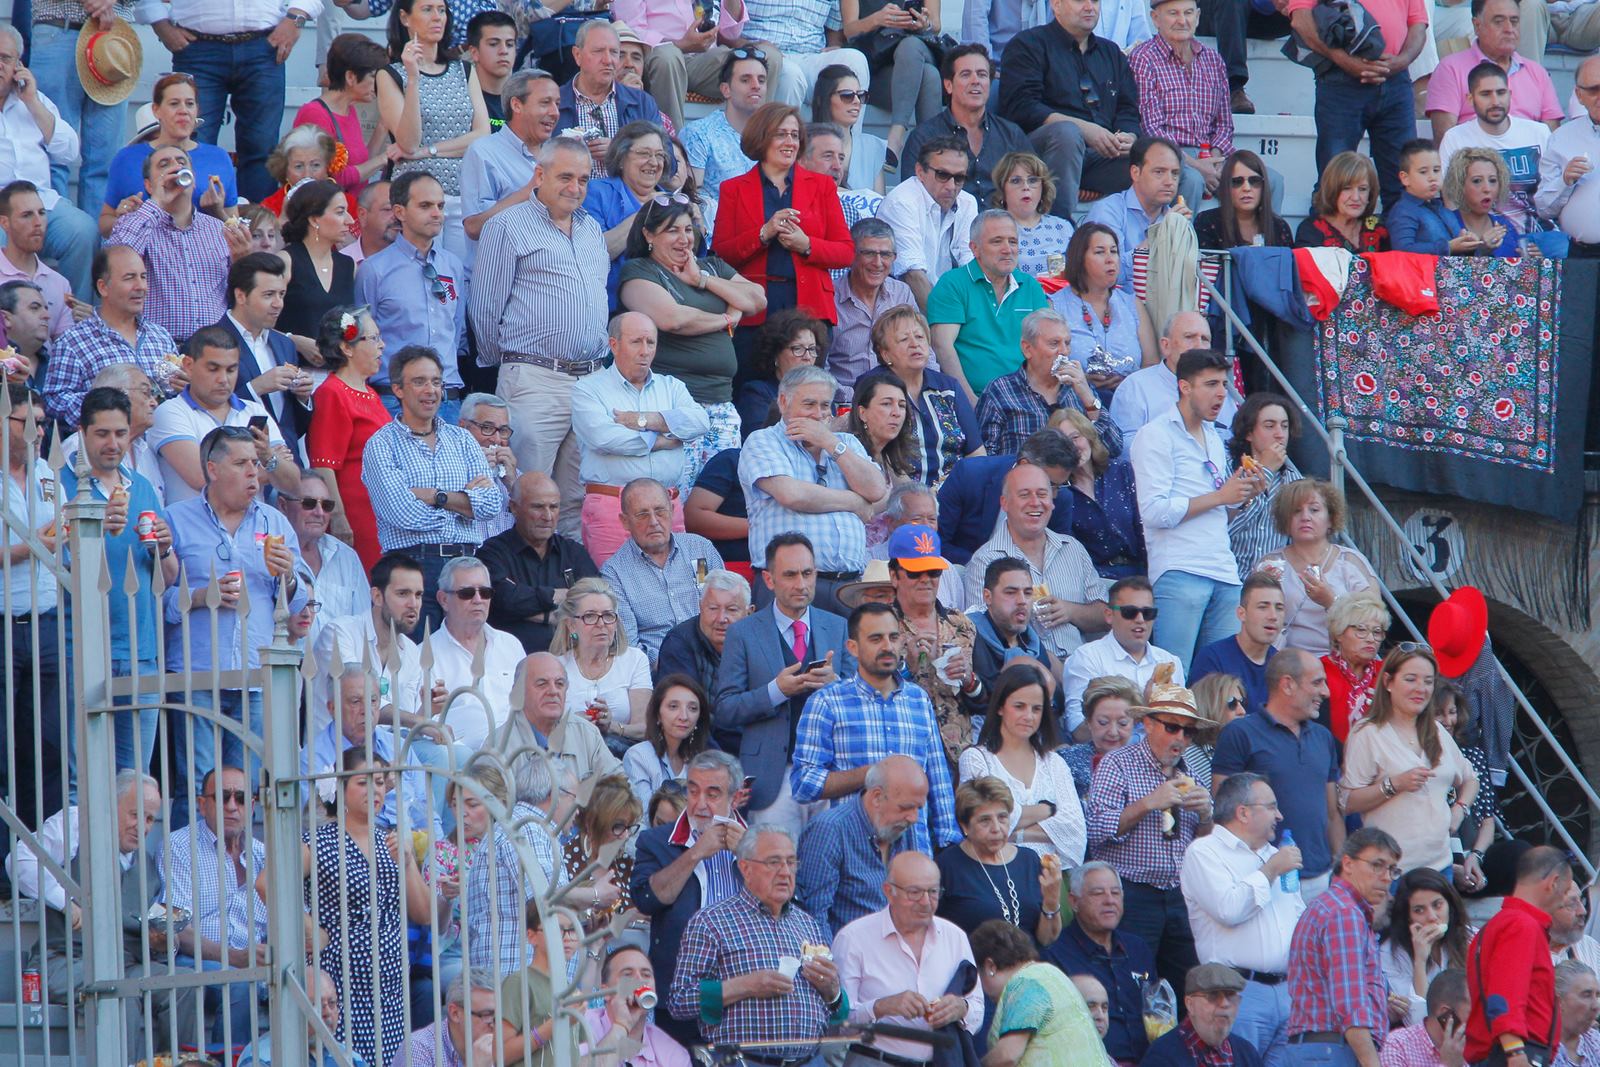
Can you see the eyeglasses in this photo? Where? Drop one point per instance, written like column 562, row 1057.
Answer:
column 1173, row 729
column 1131, row 612
column 468, row 592
column 1366, row 631
column 489, row 429
column 780, row 863
column 484, row 1015
column 807, row 351
column 851, row 96
column 1247, row 181
column 647, row 155
column 917, row 893
column 874, row 253
column 595, row 618
column 749, row 53
column 1384, row 867
column 313, row 606
column 9, row 60
column 945, row 176
column 431, row 276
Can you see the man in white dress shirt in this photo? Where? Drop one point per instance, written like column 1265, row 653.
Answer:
column 931, row 215
column 1149, row 391
column 1239, row 910
column 376, row 634
column 465, row 593
column 896, row 965
column 340, row 577
column 1567, row 194
column 1125, row 652
column 269, row 367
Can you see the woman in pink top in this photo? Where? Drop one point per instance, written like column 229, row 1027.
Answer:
column 353, row 63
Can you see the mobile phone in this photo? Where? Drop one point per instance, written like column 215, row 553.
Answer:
column 258, row 422
column 749, row 782
column 914, row 5
column 813, row 665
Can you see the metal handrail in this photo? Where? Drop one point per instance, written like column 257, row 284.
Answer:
column 1341, row 466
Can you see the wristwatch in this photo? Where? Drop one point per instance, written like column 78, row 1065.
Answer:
column 299, row 18
column 643, row 422
column 838, row 448
column 440, row 498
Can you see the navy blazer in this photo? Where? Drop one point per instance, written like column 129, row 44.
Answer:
column 296, row 418
column 752, row 655
column 632, row 106
column 969, row 505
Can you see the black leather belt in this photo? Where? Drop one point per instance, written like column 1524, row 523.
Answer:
column 459, row 548
column 886, row 1057
column 65, row 24
column 574, row 368
column 1263, row 977
column 228, row 38
column 778, row 1061
column 1317, row 1037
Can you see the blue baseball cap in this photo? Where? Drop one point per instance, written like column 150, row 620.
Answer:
column 916, row 548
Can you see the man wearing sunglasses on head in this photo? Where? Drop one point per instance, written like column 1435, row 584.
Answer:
column 1124, row 652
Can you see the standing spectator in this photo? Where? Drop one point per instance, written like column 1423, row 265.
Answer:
column 1245, row 655
column 1262, row 428
column 1456, row 714
column 345, row 413
column 1125, row 651
column 1017, row 405
column 340, row 578
column 174, row 117
column 539, row 313
column 867, row 293
column 531, row 566
column 1155, row 165
column 1283, row 743
column 1153, row 388
column 636, row 162
column 677, row 728
column 1241, row 914
column 1515, row 944
column 931, row 215
column 1213, row 1003
column 608, row 681
column 1074, row 94
column 1357, row 624
column 715, row 144
column 656, row 572
column 24, row 222
column 528, row 997
column 1519, row 141
column 497, row 171
column 235, row 57
column 414, row 288
column 491, row 48
column 97, row 106
column 968, row 75
column 946, row 427
column 610, row 815
column 684, row 53
column 1249, row 198
column 466, row 636
column 694, row 647
column 1184, row 97
column 269, row 370
column 1105, row 503
column 1427, row 934
column 1497, row 33
column 431, row 104
column 1344, row 209
column 315, row 224
column 1337, row 992
column 938, row 640
column 1183, row 495
column 632, row 424
column 974, row 868
column 352, row 66
column 1314, row 569
column 1111, row 338
column 1440, row 1038
column 837, row 103
column 427, row 479
column 1024, row 189
column 1563, row 196
column 595, row 100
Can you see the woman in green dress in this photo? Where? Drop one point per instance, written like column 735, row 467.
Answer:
column 1040, row 1019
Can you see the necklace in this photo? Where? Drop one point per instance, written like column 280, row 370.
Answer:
column 1105, row 320
column 1013, row 914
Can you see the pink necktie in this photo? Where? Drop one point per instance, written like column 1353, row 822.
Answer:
column 799, row 641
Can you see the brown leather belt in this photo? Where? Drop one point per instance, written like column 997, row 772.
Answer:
column 242, row 37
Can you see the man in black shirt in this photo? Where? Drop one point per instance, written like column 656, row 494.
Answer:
column 531, row 566
column 968, row 76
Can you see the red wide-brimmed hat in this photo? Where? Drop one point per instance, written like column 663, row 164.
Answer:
column 1457, row 629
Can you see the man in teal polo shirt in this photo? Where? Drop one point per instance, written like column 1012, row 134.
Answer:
column 976, row 310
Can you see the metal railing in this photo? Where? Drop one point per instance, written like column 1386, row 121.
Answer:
column 1341, row 468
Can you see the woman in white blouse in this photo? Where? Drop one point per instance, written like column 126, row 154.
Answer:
column 1313, row 569
column 1427, row 933
column 1400, row 764
column 607, row 682
column 1017, row 745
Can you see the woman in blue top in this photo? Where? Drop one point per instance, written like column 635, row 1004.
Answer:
column 1105, row 504
column 637, row 160
column 946, row 426
column 1475, row 181
column 177, row 112
column 1109, row 336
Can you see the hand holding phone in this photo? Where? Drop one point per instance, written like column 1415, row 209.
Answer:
column 258, row 422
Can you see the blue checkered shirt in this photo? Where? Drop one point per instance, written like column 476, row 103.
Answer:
column 1011, row 410
column 1142, row 854
column 496, row 896
column 849, row 724
column 798, row 27
column 91, row 346
column 540, row 835
column 839, row 538
column 397, row 459
column 652, row 599
column 842, row 869
column 188, row 268
column 195, row 881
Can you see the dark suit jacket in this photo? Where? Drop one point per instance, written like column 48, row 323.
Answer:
column 752, row 655
column 633, row 105
column 1046, row 72
column 969, row 504
column 741, row 212
column 296, row 417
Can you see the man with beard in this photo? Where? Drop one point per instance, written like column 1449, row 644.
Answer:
column 845, row 852
column 23, row 220
column 1519, row 139
column 850, row 725
column 378, row 225
column 1003, row 629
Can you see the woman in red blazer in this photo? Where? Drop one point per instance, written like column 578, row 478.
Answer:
column 781, row 225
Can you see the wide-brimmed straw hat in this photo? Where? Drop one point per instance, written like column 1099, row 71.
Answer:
column 1164, row 697
column 109, row 61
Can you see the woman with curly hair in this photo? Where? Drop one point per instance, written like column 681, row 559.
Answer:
column 1474, row 184
column 307, row 154
column 1024, row 189
column 788, row 339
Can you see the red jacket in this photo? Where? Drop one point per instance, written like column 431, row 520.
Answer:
column 737, row 237
column 1511, row 980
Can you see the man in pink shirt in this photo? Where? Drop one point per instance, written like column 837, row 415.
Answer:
column 23, row 221
column 1497, row 25
column 685, row 55
column 1362, row 96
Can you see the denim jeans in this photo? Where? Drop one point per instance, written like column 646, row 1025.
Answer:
column 1320, row 1054
column 1263, row 1020
column 101, row 128
column 1346, row 109
column 189, row 776
column 132, row 752
column 250, row 78
column 241, row 995
column 1194, row 611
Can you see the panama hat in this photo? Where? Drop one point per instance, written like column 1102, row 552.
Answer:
column 876, row 576
column 109, row 61
column 1164, row 697
column 1457, row 629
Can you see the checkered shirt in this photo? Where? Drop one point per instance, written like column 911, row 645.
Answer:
column 1011, row 410
column 1188, row 103
column 796, row 26
column 89, row 348
column 496, row 896
column 397, row 459
column 839, row 538
column 1142, row 854
column 653, row 599
column 208, row 890
column 1336, row 976
column 188, row 268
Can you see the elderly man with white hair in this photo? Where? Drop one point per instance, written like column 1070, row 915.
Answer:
column 1017, row 405
column 488, row 419
column 131, row 379
column 465, row 592
column 1150, row 391
column 694, row 646
column 322, row 992
column 916, row 504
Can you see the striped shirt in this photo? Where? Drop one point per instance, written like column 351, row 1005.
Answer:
column 839, row 538
column 1251, row 531
column 1068, row 572
column 211, row 891
column 89, row 348
column 536, row 290
column 396, row 459
column 496, row 896
column 188, row 267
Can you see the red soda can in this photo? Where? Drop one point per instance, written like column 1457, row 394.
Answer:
column 147, row 526
column 32, row 988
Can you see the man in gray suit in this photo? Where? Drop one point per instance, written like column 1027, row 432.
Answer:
column 763, row 681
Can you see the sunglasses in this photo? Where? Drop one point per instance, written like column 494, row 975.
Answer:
column 1173, row 729
column 1091, row 94
column 1413, row 646
column 942, row 176
column 668, row 199
column 313, row 503
column 1234, row 704
column 229, row 796
column 467, row 592
column 1216, row 474
column 431, row 276
column 1130, row 612
column 1247, row 181
column 749, row 53
column 852, row 96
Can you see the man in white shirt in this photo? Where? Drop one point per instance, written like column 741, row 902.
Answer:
column 932, row 216
column 130, row 379
column 1520, row 141
column 896, row 965
column 1240, row 911
column 1566, row 193
column 465, row 593
column 269, row 367
column 37, row 136
column 1125, row 652
column 1180, row 466
column 340, row 577
column 1149, row 391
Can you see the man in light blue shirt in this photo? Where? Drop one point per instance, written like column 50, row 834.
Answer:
column 497, row 170
column 416, row 289
column 1151, row 391
column 353, row 705
column 712, row 143
column 1156, row 166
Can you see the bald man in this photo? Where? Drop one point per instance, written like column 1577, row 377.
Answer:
column 541, row 687
column 899, row 963
column 1565, row 192
column 531, row 567
column 632, row 423
column 1151, row 390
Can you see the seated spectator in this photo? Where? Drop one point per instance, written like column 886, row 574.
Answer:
column 356, row 715
column 1067, row 594
column 465, row 592
column 621, row 1023
column 811, row 38
column 1184, row 97
column 24, row 223
column 374, row 218
column 880, row 419
column 1476, row 182
column 932, row 215
column 845, row 852
column 1097, row 943
column 715, row 510
column 838, row 99
column 656, row 572
column 544, row 796
column 1314, row 570
column 945, row 423
column 1098, row 1002
column 984, row 856
column 969, row 507
column 1018, row 405
column 1212, row 1002
column 471, row 1022
column 1017, row 746
column 683, row 52
column 1427, row 934
column 542, row 682
column 683, row 867
column 608, row 682
column 1074, row 94
column 1245, row 654
column 1111, row 338
column 1154, row 164
column 1519, row 142
column 1262, row 428
column 1107, row 724
column 1568, row 942
column 305, row 153
column 351, row 64
column 788, row 339
column 377, row 635
column 488, row 419
column 694, row 646
column 715, row 144
column 175, row 110
column 1024, row 189
column 1357, row 624
column 1248, row 199
column 1344, row 208
column 1439, row 1039
column 1497, row 31
column 968, row 74
column 531, row 567
column 607, row 818
column 25, row 325
column 1420, row 221
column 342, row 587
column 1104, row 504
column 906, row 39
column 1003, row 630
column 497, row 171
column 528, row 997
column 1220, row 698
column 938, row 640
column 976, row 310
column 1564, row 162
column 1124, row 652
column 594, row 98
column 636, row 162
column 677, row 728
column 867, row 293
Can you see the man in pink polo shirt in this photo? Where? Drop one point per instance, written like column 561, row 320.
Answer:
column 1372, row 97
column 23, row 221
column 1497, row 25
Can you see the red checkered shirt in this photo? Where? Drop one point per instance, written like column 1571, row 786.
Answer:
column 1335, row 974
column 1189, row 104
column 1205, row 1055
column 1410, row 1047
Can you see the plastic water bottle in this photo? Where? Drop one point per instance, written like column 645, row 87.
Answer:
column 1289, row 880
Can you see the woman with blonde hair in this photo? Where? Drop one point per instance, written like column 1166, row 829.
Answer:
column 607, row 681
column 1475, row 182
column 1025, row 190
column 1108, row 724
column 1220, row 698
column 612, row 814
column 1313, row 568
column 1357, row 623
column 1105, row 501
column 1343, row 211
column 945, row 424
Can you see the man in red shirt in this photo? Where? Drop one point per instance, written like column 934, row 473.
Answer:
column 1514, row 1020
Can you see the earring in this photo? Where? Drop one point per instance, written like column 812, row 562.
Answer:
column 649, row 246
